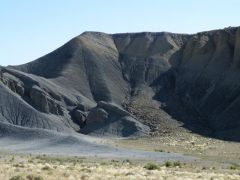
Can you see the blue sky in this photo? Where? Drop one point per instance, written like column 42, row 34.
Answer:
column 31, row 28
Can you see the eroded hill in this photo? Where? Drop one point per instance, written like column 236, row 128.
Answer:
column 130, row 84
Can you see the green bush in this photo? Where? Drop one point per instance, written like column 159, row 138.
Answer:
column 151, row 166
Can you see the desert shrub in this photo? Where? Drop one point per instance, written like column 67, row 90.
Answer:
column 158, row 150
column 30, row 161
column 127, row 161
column 177, row 163
column 46, row 168
column 34, row 177
column 103, row 163
column 235, row 166
column 12, row 159
column 66, row 174
column 151, row 166
column 20, row 165
column 168, row 164
column 60, row 160
column 114, row 161
column 18, row 177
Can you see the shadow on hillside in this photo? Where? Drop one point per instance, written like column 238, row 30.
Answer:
column 183, row 106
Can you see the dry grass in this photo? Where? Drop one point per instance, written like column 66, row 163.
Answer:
column 51, row 168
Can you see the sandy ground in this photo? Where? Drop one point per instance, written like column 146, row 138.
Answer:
column 29, row 167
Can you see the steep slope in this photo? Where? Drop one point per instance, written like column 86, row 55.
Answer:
column 163, row 80
column 87, row 64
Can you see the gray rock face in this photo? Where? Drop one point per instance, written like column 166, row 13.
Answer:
column 43, row 102
column 14, row 110
column 82, row 85
column 39, row 99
